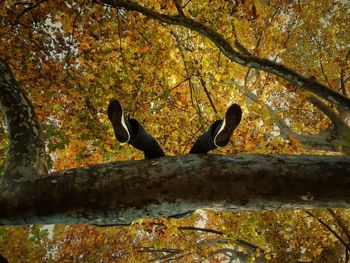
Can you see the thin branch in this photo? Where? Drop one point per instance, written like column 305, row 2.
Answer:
column 289, row 32
column 281, row 124
column 268, row 24
column 345, row 230
column 323, row 72
column 120, row 46
column 28, row 9
column 340, row 222
column 335, row 234
column 342, row 83
column 71, row 37
column 207, row 230
column 191, row 139
column 343, row 80
column 179, row 7
column 189, row 1
column 189, row 76
column 206, row 91
column 339, row 123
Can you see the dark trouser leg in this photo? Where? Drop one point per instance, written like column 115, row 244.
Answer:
column 132, row 132
column 142, row 140
column 205, row 142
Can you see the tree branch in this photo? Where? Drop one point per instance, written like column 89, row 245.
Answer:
column 206, row 91
column 340, row 223
column 338, row 122
column 26, row 156
column 224, row 45
column 190, row 82
column 280, row 122
column 206, row 230
column 178, row 7
column 117, row 193
column 335, row 234
column 31, row 7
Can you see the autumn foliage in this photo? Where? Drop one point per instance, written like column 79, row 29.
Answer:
column 73, row 57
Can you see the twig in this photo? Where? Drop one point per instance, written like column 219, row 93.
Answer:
column 330, row 230
column 178, row 7
column 207, row 230
column 28, row 9
column 206, row 91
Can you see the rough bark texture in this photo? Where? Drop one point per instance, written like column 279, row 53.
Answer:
column 26, row 155
column 124, row 191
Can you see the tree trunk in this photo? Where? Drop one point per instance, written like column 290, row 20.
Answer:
column 120, row 192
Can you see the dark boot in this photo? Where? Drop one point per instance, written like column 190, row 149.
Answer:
column 219, row 133
column 130, row 131
column 143, row 141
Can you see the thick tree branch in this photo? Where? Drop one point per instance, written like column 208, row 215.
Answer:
column 120, row 192
column 338, row 122
column 224, row 45
column 26, row 156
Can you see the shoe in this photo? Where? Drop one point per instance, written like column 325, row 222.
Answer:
column 116, row 116
column 223, row 132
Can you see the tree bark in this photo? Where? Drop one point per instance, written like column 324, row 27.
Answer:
column 120, row 192
column 26, row 155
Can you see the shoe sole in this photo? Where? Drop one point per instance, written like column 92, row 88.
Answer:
column 116, row 116
column 230, row 123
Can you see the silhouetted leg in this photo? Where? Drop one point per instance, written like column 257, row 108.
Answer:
column 132, row 132
column 144, row 141
column 219, row 133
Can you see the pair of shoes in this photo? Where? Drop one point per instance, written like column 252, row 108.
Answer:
column 219, row 134
column 116, row 116
column 222, row 133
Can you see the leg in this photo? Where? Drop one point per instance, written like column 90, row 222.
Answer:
column 219, row 133
column 132, row 132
